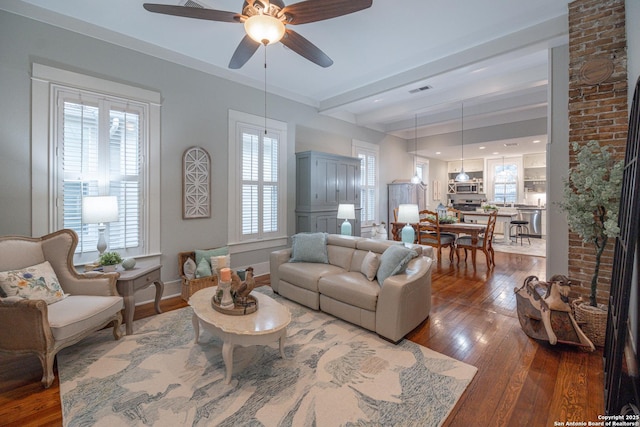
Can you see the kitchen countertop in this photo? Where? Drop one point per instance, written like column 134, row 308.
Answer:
column 516, row 207
column 501, row 212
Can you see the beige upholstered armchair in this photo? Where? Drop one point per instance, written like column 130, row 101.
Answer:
column 32, row 325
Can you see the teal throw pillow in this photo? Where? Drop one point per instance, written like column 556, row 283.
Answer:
column 207, row 254
column 309, row 247
column 203, row 269
column 394, row 261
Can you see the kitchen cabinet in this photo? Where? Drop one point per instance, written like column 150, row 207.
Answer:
column 323, row 181
column 535, row 172
column 470, row 165
column 535, row 160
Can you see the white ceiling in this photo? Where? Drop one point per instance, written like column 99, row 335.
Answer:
column 488, row 55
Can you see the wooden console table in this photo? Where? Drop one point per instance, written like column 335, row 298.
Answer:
column 131, row 281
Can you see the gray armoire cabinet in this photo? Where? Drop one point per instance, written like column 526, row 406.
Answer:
column 323, row 181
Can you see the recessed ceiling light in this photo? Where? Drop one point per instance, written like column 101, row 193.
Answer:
column 438, row 152
column 535, row 141
column 377, row 100
column 511, row 144
column 496, row 152
column 481, row 148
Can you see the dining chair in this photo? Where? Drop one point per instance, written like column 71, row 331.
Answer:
column 484, row 243
column 454, row 212
column 429, row 233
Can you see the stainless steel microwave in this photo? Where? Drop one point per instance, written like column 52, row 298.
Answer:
column 466, row 187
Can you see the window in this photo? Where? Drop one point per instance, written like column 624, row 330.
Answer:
column 368, row 155
column 422, row 169
column 99, row 145
column 504, row 179
column 257, row 212
column 102, row 141
column 259, row 183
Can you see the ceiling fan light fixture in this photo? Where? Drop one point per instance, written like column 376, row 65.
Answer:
column 264, row 27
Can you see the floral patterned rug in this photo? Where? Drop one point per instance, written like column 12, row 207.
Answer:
column 335, row 373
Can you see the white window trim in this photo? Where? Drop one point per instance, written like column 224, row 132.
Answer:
column 234, row 238
column 367, row 146
column 43, row 177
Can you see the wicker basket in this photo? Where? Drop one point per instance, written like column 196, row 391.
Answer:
column 191, row 286
column 592, row 320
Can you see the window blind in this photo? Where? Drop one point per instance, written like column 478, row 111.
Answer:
column 368, row 190
column 260, row 182
column 100, row 145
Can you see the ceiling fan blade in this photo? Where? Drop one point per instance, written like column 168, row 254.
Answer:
column 244, row 52
column 193, row 12
column 315, row 10
column 305, row 48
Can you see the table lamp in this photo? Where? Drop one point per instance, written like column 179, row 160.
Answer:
column 408, row 214
column 346, row 212
column 99, row 210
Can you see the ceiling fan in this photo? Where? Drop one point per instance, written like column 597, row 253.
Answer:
column 265, row 23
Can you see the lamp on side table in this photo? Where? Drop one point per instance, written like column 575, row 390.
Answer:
column 408, row 214
column 100, row 210
column 346, row 212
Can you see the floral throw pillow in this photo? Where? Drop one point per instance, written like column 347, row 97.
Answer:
column 35, row 282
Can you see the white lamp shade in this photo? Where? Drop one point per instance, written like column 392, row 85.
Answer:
column 99, row 209
column 408, row 214
column 264, row 27
column 346, row 211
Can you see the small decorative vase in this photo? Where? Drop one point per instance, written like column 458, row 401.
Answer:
column 129, row 263
column 108, row 268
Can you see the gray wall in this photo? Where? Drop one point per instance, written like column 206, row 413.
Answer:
column 194, row 112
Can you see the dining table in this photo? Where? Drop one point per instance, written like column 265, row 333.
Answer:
column 472, row 229
column 505, row 217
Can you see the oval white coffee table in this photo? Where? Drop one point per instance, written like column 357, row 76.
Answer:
column 266, row 325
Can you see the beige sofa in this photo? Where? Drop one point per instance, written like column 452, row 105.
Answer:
column 340, row 289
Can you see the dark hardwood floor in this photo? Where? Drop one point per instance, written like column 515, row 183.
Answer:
column 520, row 382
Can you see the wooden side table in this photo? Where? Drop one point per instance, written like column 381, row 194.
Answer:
column 131, row 281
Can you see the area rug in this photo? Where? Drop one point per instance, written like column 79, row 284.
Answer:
column 537, row 247
column 334, row 374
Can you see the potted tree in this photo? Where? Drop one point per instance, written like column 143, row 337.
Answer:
column 109, row 260
column 592, row 201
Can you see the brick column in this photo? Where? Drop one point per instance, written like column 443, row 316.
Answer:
column 597, row 110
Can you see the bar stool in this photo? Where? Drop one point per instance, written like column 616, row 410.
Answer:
column 522, row 227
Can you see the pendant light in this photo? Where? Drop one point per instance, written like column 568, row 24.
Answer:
column 416, row 179
column 462, row 176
